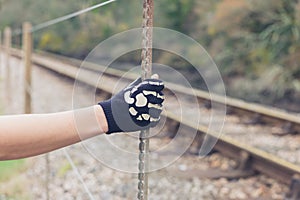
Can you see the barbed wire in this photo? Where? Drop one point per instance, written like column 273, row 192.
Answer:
column 76, row 171
column 68, row 157
column 63, row 18
column 46, row 24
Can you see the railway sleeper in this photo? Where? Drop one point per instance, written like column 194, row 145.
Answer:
column 212, row 174
column 104, row 94
column 197, row 144
column 172, row 128
column 288, row 128
column 294, row 192
column 229, row 110
column 207, row 104
column 243, row 171
column 255, row 119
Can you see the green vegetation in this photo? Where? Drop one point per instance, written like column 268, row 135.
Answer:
column 256, row 43
column 66, row 167
column 12, row 184
column 8, row 169
column 260, row 47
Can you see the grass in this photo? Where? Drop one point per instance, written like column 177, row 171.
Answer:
column 64, row 169
column 11, row 168
column 13, row 185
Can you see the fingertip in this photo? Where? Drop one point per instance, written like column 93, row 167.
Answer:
column 155, row 76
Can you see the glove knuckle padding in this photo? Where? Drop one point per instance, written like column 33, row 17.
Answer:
column 136, row 107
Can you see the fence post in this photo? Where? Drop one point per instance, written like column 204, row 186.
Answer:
column 0, row 39
column 1, row 48
column 27, row 51
column 7, row 43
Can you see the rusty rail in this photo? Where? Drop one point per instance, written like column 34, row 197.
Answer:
column 257, row 112
column 259, row 160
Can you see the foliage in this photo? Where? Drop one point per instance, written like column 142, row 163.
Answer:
column 252, row 38
column 64, row 169
column 247, row 38
column 175, row 13
column 10, row 168
column 12, row 184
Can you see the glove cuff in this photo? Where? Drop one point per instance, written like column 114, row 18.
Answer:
column 112, row 125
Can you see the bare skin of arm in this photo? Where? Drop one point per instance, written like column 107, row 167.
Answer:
column 24, row 136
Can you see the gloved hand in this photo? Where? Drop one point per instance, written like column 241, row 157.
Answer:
column 137, row 107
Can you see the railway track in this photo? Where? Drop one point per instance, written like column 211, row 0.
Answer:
column 255, row 113
column 251, row 159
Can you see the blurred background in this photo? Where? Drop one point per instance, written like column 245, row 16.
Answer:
column 255, row 44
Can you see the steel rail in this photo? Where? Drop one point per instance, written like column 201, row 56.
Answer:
column 237, row 106
column 260, row 161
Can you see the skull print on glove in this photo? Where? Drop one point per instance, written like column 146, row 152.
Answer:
column 137, row 107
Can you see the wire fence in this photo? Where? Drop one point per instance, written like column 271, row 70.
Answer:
column 27, row 47
column 63, row 18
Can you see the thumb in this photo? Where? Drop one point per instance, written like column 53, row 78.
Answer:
column 155, row 76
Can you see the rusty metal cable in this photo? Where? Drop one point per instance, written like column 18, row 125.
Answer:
column 148, row 7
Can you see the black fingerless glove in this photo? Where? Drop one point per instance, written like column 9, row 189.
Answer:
column 136, row 107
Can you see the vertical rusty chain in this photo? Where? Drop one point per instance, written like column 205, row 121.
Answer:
column 148, row 7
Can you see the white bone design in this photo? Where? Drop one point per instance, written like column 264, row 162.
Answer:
column 151, row 105
column 134, row 90
column 146, row 116
column 160, row 96
column 133, row 111
column 142, row 84
column 146, row 92
column 154, row 119
column 154, row 83
column 127, row 98
column 140, row 118
column 141, row 100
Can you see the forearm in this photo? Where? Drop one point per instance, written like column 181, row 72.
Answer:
column 29, row 135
